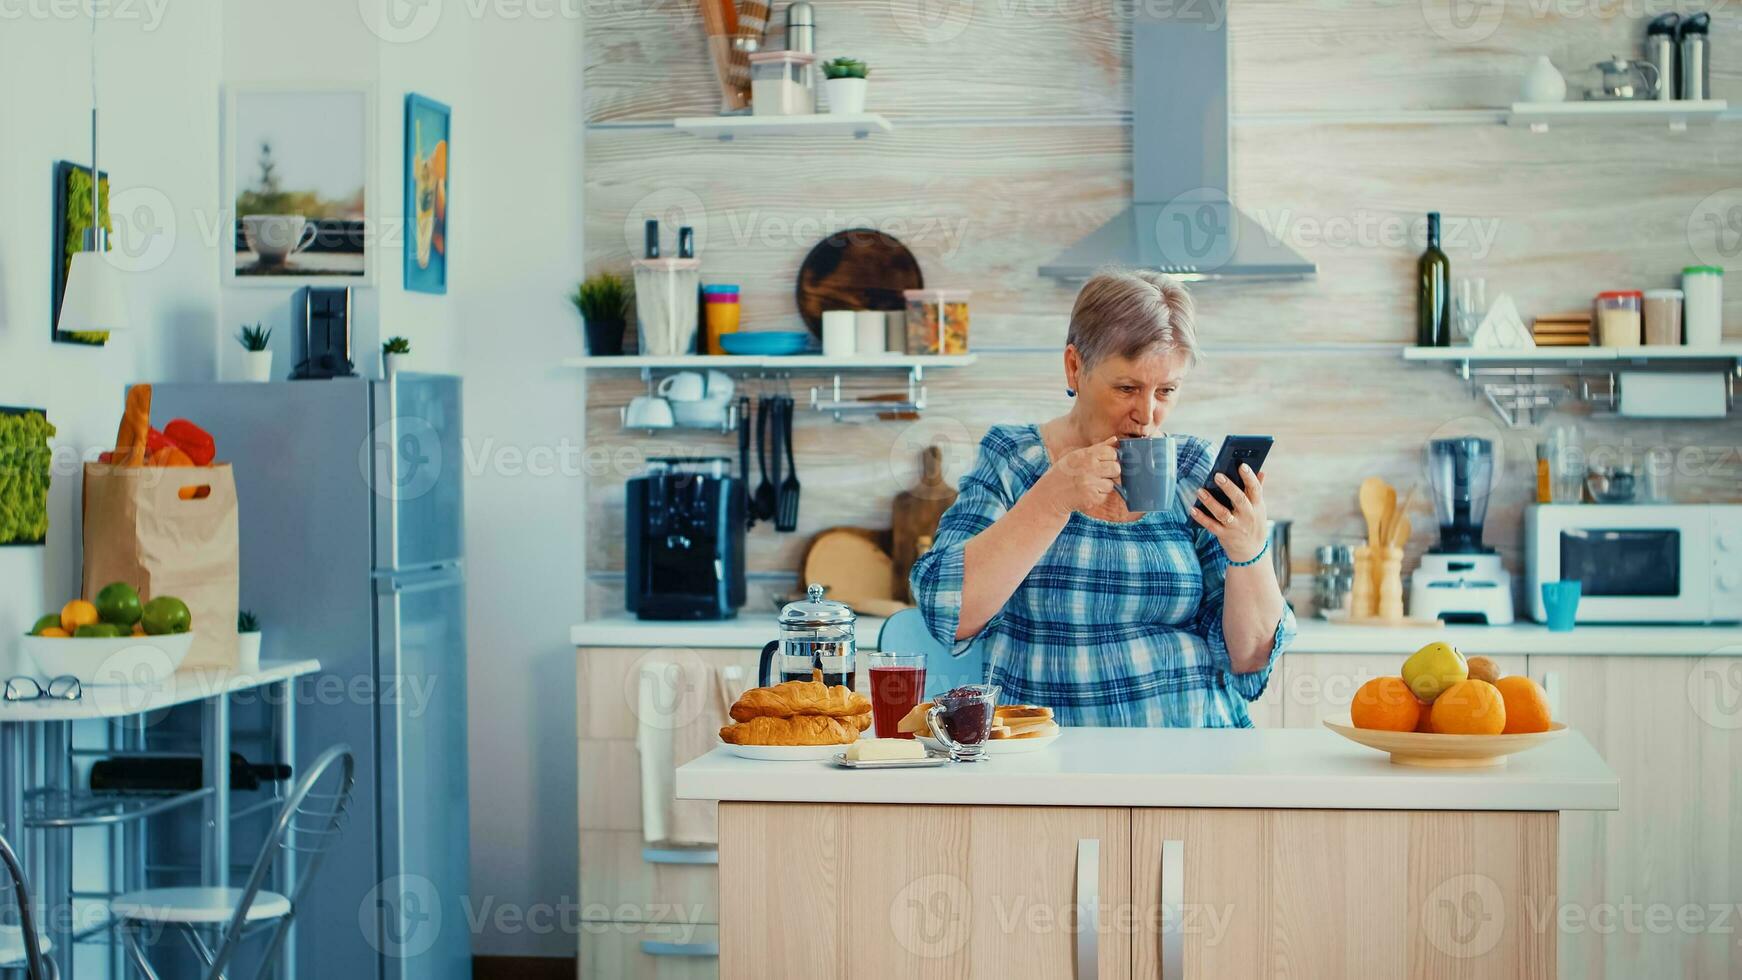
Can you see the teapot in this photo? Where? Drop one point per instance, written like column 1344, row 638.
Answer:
column 1621, row 79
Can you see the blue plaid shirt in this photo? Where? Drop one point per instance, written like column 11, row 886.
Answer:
column 1118, row 624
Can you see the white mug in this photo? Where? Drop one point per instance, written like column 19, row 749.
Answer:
column 838, row 333
column 276, row 237
column 648, row 412
column 720, row 386
column 707, row 412
column 684, row 386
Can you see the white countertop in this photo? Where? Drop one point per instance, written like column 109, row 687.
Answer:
column 1277, row 768
column 115, row 701
column 1316, row 636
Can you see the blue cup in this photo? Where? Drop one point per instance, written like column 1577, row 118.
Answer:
column 1561, row 601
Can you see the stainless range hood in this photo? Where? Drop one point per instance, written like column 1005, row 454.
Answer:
column 1182, row 219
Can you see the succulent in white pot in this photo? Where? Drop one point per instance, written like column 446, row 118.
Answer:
column 394, row 353
column 847, row 79
column 257, row 360
column 247, row 643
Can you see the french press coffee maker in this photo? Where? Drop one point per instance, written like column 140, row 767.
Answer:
column 815, row 634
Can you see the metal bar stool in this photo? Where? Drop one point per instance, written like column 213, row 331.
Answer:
column 309, row 824
column 21, row 946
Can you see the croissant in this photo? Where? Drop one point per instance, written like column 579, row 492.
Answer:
column 811, row 697
column 797, row 730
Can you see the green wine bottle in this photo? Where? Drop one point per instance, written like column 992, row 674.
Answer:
column 1434, row 296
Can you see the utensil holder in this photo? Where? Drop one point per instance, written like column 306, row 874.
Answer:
column 1363, row 595
column 666, row 292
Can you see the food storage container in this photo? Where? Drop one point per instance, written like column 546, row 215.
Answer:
column 937, row 320
column 1703, row 307
column 777, row 84
column 1618, row 318
column 721, row 314
column 1663, row 316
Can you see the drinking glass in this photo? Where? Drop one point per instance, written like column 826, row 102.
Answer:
column 962, row 720
column 1472, row 303
column 897, row 684
column 1566, row 464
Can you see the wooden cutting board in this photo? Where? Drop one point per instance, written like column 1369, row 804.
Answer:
column 916, row 515
column 852, row 564
column 856, row 269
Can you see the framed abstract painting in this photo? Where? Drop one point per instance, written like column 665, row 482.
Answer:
column 428, row 149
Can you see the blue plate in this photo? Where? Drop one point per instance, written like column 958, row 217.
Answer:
column 766, row 343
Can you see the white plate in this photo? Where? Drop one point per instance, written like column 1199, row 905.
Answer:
column 784, row 753
column 1002, row 746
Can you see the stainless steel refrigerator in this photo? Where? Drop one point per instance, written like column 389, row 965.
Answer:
column 351, row 552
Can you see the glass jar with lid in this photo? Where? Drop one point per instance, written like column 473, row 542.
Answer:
column 778, row 84
column 815, row 634
column 1618, row 318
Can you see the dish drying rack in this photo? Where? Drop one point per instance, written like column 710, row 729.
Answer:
column 766, row 374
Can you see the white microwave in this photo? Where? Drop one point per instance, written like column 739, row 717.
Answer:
column 1638, row 563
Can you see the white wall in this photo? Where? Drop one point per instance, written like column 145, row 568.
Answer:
column 157, row 75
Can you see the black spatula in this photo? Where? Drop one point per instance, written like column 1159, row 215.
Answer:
column 787, row 518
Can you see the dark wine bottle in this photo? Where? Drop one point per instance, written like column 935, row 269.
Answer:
column 179, row 773
column 1434, row 291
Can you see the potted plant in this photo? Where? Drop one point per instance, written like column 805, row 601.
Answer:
column 258, row 359
column 605, row 302
column 846, row 82
column 392, row 353
column 247, row 642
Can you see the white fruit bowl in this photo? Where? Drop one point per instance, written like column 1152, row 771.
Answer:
column 101, row 661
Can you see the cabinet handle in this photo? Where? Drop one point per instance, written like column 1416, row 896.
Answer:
column 1088, row 908
column 1173, row 900
column 653, row 947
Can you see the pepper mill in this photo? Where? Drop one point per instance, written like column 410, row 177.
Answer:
column 1389, row 571
column 1363, row 600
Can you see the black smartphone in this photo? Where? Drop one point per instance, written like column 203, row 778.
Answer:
column 1236, row 451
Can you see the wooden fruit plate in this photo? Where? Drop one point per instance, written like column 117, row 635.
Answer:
column 1445, row 751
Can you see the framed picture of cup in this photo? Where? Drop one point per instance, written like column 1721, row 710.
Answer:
column 299, row 165
column 427, row 145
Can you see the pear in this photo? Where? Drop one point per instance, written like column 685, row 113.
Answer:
column 1434, row 668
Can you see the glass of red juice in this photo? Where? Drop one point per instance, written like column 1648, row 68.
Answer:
column 897, row 685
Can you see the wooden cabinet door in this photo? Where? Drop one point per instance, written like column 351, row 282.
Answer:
column 1317, row 686
column 1340, row 893
column 1651, row 890
column 851, row 891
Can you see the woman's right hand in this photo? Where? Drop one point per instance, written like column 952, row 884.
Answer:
column 1083, row 478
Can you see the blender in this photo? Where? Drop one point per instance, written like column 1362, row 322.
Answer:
column 1461, row 580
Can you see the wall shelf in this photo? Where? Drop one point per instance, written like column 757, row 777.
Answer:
column 857, row 125
column 1678, row 115
column 1518, row 383
column 789, row 362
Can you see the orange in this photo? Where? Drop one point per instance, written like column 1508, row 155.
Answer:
column 1526, row 705
column 53, row 631
column 1387, row 704
column 77, row 613
column 1469, row 708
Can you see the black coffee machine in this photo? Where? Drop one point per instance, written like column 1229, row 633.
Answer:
column 685, row 530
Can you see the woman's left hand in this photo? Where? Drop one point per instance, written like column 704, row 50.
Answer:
column 1242, row 529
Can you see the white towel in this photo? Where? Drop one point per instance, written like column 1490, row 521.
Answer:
column 681, row 707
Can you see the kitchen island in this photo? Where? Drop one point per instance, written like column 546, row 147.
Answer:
column 1142, row 852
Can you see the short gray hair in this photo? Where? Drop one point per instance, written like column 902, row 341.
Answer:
column 1130, row 313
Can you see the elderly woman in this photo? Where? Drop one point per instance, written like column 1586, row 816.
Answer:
column 1107, row 616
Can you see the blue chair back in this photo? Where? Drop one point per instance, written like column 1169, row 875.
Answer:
column 906, row 632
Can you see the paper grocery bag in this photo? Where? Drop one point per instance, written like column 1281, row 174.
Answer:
column 142, row 529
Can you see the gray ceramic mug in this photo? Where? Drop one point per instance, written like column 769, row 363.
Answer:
column 1148, row 472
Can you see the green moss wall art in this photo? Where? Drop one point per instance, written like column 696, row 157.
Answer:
column 72, row 218
column 25, row 458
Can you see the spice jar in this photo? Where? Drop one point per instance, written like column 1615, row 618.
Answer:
column 937, row 320
column 1618, row 318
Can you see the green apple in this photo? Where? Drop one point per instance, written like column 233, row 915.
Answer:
column 167, row 614
column 98, row 631
column 118, row 603
column 52, row 619
column 1434, row 668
